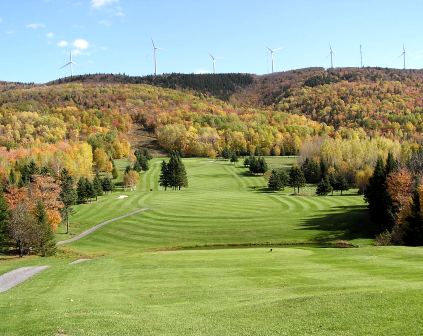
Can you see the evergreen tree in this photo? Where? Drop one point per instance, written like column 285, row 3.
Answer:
column 115, row 173
column 296, row 178
column 343, row 183
column 234, row 158
column 380, row 203
column 45, row 236
column 391, row 164
column 90, row 191
column 81, row 190
column 278, row 180
column 173, row 173
column 324, row 187
column 257, row 165
column 412, row 228
column 312, row 170
column 164, row 179
column 107, row 184
column 98, row 188
column 137, row 167
column 68, row 195
column 181, row 175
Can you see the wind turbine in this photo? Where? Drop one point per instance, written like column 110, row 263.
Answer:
column 331, row 56
column 403, row 54
column 155, row 56
column 361, row 56
column 70, row 64
column 214, row 61
column 272, row 51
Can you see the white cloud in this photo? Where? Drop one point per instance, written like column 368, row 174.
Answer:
column 81, row 44
column 50, row 35
column 62, row 43
column 35, row 25
column 120, row 13
column 102, row 3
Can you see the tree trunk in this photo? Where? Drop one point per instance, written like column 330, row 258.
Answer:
column 67, row 222
column 20, row 249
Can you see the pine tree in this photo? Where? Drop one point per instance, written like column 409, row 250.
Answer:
column 45, row 236
column 107, row 184
column 234, row 158
column 81, row 190
column 391, row 164
column 115, row 173
column 412, row 228
column 312, row 170
column 164, row 179
column 90, row 191
column 323, row 187
column 181, row 175
column 380, row 203
column 137, row 167
column 296, row 178
column 68, row 195
column 98, row 188
column 277, row 180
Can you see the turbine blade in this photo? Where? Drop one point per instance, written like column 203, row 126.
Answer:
column 69, row 63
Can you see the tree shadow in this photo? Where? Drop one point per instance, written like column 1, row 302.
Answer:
column 342, row 223
column 261, row 190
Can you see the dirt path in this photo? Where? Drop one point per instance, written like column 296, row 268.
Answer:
column 96, row 227
column 15, row 277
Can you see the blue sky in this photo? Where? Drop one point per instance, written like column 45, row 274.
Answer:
column 113, row 36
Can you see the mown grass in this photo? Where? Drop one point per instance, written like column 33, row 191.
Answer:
column 137, row 284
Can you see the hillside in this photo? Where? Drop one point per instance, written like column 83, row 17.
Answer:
column 221, row 86
column 381, row 101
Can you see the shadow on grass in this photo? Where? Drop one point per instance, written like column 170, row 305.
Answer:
column 342, row 223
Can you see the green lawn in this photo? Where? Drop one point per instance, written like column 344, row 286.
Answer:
column 138, row 284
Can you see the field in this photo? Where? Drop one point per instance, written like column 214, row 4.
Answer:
column 198, row 262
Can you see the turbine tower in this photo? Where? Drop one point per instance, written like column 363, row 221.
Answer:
column 331, row 56
column 70, row 64
column 155, row 57
column 272, row 51
column 403, row 55
column 214, row 62
column 361, row 56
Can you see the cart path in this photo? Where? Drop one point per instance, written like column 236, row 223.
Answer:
column 15, row 277
column 98, row 226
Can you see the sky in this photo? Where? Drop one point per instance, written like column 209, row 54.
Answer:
column 114, row 36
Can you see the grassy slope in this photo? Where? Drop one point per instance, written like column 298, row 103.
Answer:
column 290, row 291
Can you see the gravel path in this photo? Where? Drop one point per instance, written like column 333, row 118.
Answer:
column 15, row 277
column 96, row 227
column 78, row 261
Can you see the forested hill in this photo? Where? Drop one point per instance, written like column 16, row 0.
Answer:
column 270, row 89
column 221, row 86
